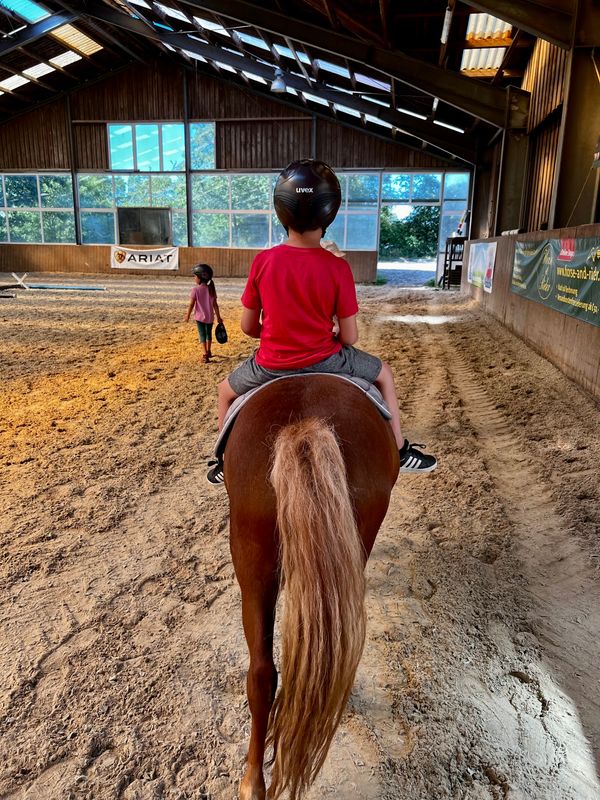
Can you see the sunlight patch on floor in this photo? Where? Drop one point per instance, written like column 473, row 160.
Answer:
column 423, row 319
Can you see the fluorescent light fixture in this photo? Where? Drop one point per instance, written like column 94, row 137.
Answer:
column 278, row 86
column 446, row 25
column 14, row 82
column 66, row 58
column 411, row 113
column 373, row 100
column 446, row 125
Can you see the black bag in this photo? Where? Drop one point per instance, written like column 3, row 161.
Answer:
column 220, row 333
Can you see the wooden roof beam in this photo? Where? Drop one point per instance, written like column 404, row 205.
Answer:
column 490, row 103
column 456, row 144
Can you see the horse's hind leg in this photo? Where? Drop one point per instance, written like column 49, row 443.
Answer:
column 257, row 575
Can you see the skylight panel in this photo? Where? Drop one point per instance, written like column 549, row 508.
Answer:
column 315, row 98
column 76, row 39
column 334, row 68
column 14, row 82
column 197, row 56
column 287, row 52
column 226, row 67
column 351, row 111
column 26, row 9
column 38, row 70
column 66, row 58
column 163, row 26
column 377, row 121
column 253, row 40
column 209, row 25
column 253, row 77
column 372, row 82
column 291, row 90
column 482, row 27
column 172, row 12
column 141, row 3
column 484, row 60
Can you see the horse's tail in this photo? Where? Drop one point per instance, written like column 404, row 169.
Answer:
column 323, row 625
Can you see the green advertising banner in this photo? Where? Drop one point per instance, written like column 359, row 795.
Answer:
column 561, row 273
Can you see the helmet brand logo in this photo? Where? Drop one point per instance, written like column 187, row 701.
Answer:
column 304, row 189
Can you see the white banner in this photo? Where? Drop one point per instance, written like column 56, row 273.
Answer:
column 482, row 258
column 132, row 258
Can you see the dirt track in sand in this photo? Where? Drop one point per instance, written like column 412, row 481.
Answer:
column 121, row 647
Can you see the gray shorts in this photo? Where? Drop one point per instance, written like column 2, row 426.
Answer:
column 349, row 361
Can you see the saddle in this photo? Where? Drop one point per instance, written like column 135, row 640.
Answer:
column 370, row 391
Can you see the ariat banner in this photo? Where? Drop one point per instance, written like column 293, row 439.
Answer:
column 561, row 273
column 480, row 271
column 157, row 258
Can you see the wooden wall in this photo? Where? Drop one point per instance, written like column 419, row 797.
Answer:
column 95, row 259
column 545, row 79
column 572, row 344
column 252, row 131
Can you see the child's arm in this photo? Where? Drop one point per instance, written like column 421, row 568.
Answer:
column 348, row 332
column 216, row 308
column 190, row 309
column 250, row 323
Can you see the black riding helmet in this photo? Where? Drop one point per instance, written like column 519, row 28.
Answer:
column 307, row 196
column 200, row 270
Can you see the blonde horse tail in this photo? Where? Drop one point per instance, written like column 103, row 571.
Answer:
column 323, row 624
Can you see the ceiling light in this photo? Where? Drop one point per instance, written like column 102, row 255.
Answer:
column 446, row 26
column 278, row 85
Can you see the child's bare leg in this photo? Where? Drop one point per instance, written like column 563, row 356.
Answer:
column 226, row 398
column 385, row 383
column 209, row 348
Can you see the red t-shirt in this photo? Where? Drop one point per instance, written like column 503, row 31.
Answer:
column 299, row 290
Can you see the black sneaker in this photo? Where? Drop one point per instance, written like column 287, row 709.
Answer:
column 215, row 475
column 413, row 460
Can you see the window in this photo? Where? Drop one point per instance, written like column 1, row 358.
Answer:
column 100, row 195
column 36, row 209
column 202, row 145
column 151, row 147
column 454, row 206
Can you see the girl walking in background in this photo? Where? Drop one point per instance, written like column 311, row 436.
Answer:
column 203, row 302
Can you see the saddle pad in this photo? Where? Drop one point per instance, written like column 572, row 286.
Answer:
column 372, row 392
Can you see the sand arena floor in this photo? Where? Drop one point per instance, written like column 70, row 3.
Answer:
column 121, row 648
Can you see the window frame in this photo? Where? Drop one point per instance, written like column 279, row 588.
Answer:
column 39, row 209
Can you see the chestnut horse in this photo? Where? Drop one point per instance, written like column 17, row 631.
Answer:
column 309, row 467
